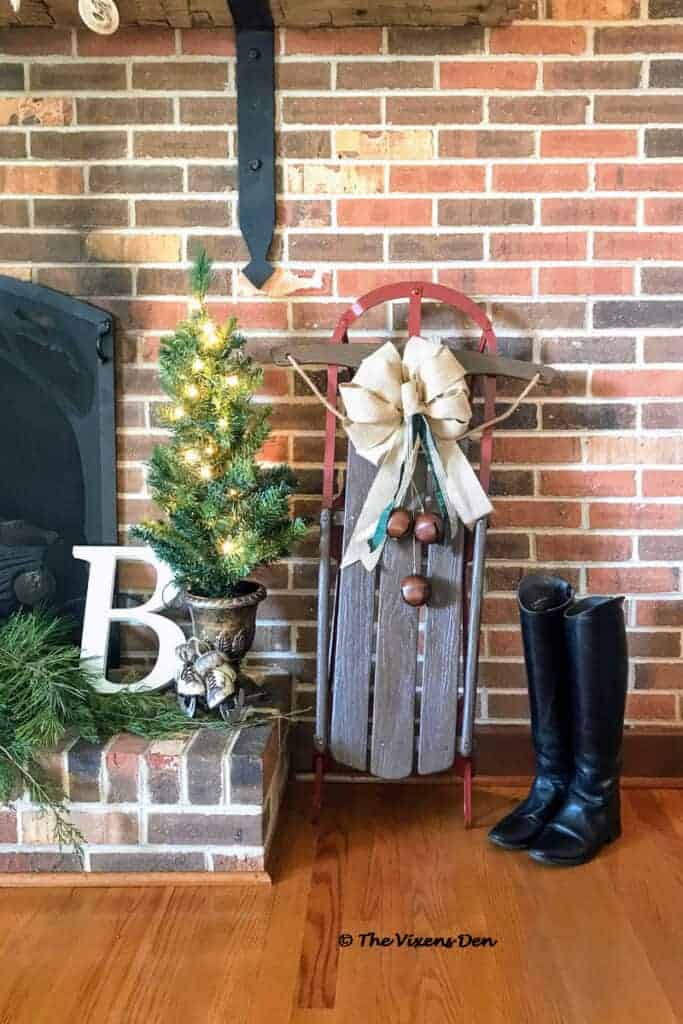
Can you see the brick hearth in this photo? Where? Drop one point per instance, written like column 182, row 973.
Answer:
column 206, row 802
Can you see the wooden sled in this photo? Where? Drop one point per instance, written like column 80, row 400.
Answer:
column 387, row 704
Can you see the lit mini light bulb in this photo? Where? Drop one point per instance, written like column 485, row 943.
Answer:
column 205, row 473
column 209, row 333
column 192, row 391
column 232, row 381
column 228, row 546
column 210, row 449
column 178, row 412
column 198, row 365
column 191, row 456
column 195, row 305
column 222, row 423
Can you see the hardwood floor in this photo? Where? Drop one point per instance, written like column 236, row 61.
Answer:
column 600, row 944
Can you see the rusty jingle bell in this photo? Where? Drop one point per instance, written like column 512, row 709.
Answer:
column 415, row 590
column 428, row 528
column 400, row 523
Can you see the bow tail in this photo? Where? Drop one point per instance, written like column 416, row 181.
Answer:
column 460, row 485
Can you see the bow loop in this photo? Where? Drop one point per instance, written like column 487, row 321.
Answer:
column 411, row 399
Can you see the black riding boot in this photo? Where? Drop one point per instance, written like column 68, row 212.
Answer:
column 543, row 601
column 596, row 644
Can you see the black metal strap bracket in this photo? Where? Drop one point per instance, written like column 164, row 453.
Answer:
column 255, row 132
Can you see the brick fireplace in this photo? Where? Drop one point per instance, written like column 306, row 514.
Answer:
column 536, row 166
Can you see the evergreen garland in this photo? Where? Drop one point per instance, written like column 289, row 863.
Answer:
column 45, row 690
column 225, row 515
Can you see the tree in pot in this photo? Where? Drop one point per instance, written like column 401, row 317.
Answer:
column 225, row 514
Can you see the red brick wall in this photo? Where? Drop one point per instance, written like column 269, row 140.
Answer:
column 537, row 167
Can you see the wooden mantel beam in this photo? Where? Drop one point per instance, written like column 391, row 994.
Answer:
column 292, row 13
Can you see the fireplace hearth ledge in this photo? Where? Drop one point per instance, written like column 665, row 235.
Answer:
column 199, row 809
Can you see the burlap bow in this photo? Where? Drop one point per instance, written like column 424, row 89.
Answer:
column 394, row 406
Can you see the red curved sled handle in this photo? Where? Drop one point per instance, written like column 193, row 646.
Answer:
column 415, row 292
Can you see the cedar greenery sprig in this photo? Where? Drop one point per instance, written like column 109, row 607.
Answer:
column 46, row 690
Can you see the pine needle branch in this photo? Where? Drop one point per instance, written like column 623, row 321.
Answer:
column 201, row 275
column 64, row 832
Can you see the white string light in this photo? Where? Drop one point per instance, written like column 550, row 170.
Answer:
column 209, row 333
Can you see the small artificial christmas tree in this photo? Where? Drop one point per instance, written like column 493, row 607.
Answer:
column 225, row 514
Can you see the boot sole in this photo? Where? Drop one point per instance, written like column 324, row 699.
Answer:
column 502, row 845
column 570, row 862
column 566, row 862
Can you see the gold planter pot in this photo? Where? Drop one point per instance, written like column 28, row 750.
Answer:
column 227, row 623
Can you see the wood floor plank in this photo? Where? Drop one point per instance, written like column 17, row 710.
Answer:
column 72, row 938
column 320, row 950
column 600, row 944
column 598, row 954
column 278, row 975
column 655, row 912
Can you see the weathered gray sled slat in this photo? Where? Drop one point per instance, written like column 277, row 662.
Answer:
column 393, row 717
column 443, row 638
column 353, row 660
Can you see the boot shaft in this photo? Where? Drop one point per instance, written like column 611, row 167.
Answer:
column 595, row 636
column 543, row 601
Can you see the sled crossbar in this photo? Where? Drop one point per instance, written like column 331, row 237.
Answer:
column 479, row 364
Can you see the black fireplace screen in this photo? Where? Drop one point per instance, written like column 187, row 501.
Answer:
column 57, row 444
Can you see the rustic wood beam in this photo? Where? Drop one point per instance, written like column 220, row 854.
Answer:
column 251, row 15
column 294, row 13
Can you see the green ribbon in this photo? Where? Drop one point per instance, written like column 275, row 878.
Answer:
column 431, row 451
column 421, row 429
